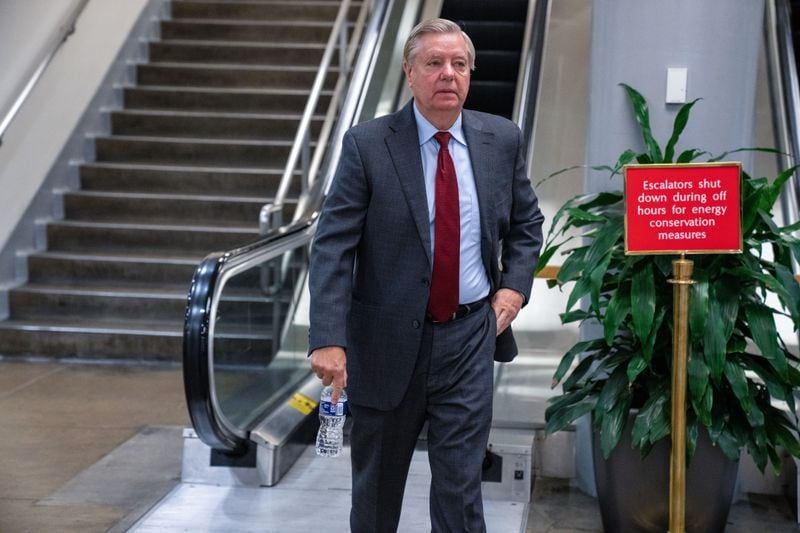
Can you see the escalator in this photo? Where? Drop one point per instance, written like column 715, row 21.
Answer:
column 497, row 34
column 226, row 383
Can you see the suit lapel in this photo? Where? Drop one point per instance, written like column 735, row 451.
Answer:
column 481, row 150
column 403, row 145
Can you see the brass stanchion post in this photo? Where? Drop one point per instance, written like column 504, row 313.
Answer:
column 681, row 278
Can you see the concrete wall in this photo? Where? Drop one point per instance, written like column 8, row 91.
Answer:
column 28, row 28
column 43, row 126
column 634, row 41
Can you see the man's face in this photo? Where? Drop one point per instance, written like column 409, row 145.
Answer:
column 438, row 73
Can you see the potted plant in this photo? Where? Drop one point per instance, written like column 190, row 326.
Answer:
column 741, row 375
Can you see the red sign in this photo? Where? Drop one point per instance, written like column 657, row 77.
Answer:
column 682, row 208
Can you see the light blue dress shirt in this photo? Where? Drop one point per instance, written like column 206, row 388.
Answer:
column 473, row 283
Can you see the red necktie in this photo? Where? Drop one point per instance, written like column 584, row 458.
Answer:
column 443, row 300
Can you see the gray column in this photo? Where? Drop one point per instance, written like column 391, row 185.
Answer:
column 635, row 41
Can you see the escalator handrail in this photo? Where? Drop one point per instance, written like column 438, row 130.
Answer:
column 530, row 71
column 198, row 354
column 198, row 375
column 782, row 67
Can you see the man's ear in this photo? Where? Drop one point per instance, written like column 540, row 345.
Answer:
column 407, row 72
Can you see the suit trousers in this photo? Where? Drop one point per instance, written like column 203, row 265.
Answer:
column 452, row 390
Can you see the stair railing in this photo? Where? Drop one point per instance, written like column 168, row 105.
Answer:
column 215, row 425
column 271, row 216
column 64, row 31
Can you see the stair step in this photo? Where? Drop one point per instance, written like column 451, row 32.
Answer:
column 131, row 304
column 251, row 31
column 154, row 341
column 167, row 209
column 166, row 240
column 237, row 53
column 231, row 76
column 304, row 10
column 238, row 100
column 124, row 177
column 210, row 125
column 121, row 269
column 198, row 152
column 150, row 341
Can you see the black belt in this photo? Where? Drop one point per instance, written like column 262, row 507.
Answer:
column 462, row 311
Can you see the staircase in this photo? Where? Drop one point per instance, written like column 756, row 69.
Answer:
column 497, row 32
column 198, row 146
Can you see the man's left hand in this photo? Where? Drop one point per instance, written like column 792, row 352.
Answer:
column 506, row 304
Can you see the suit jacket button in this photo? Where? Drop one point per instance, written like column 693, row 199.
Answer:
column 415, row 324
column 426, row 282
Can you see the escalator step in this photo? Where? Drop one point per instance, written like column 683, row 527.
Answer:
column 510, row 10
column 499, row 65
column 494, row 35
column 492, row 97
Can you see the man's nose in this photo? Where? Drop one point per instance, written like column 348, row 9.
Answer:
column 447, row 71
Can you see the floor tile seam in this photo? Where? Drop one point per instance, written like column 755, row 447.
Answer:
column 30, row 382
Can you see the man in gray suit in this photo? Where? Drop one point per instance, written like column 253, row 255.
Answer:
column 424, row 254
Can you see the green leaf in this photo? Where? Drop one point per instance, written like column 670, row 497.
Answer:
column 649, row 343
column 579, row 290
column 573, row 266
column 636, row 367
column 765, row 335
column 614, row 389
column 681, row 119
column 613, row 424
column 692, row 431
column 779, row 432
column 791, row 289
column 569, row 357
column 653, row 421
column 699, row 387
column 576, row 315
column 578, row 214
column 735, row 375
column 619, row 307
column 560, row 419
column 698, row 309
column 604, row 240
column 644, row 305
column 690, row 155
column 723, row 307
column 596, row 278
column 642, row 115
column 584, row 371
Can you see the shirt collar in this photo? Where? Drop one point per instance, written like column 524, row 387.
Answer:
column 426, row 130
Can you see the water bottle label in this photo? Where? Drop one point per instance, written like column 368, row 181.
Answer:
column 332, row 409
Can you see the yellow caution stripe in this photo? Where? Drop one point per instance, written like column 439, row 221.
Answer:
column 302, row 403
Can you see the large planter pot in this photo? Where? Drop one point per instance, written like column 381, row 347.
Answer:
column 634, row 493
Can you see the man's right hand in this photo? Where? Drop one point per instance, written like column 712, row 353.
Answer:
column 329, row 364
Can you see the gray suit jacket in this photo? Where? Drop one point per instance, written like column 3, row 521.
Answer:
column 371, row 258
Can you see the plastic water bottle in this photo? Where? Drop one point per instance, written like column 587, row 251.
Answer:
column 331, row 423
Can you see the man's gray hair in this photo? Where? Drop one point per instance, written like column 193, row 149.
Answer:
column 435, row 26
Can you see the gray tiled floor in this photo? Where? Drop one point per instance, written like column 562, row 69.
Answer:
column 91, row 448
